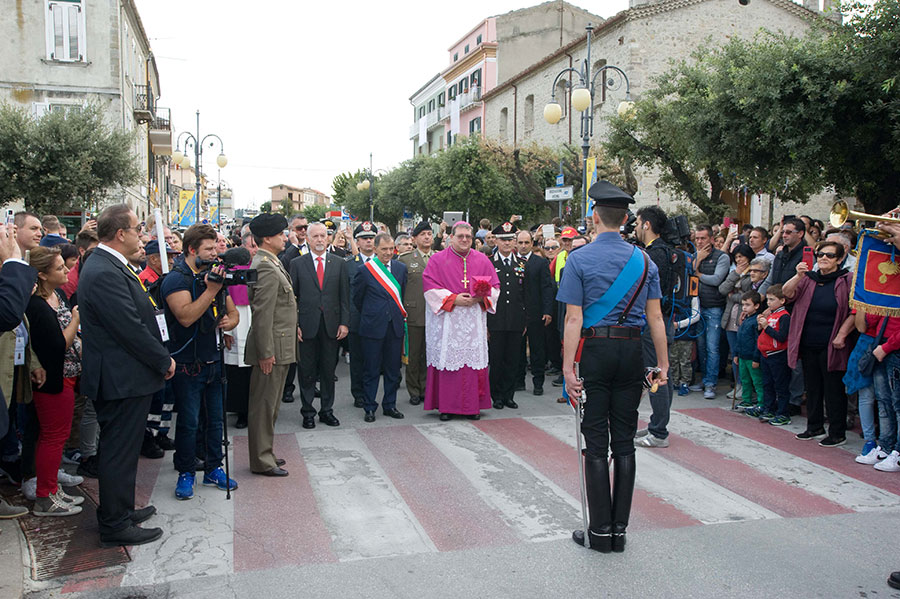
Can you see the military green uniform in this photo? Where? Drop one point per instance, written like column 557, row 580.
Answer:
column 414, row 302
column 273, row 332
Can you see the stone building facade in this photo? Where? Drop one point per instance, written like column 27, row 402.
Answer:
column 61, row 55
column 643, row 41
column 298, row 198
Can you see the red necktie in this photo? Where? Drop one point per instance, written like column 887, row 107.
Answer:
column 320, row 272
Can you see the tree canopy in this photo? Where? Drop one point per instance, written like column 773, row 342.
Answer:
column 778, row 114
column 64, row 160
column 482, row 177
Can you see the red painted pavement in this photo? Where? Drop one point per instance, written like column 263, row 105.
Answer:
column 442, row 499
column 92, row 581
column 556, row 460
column 832, row 458
column 276, row 520
column 783, row 499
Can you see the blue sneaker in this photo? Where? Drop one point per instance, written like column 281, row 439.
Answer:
column 753, row 412
column 185, row 487
column 780, row 421
column 765, row 416
column 217, row 478
column 683, row 390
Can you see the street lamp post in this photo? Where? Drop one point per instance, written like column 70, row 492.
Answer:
column 583, row 101
column 182, row 159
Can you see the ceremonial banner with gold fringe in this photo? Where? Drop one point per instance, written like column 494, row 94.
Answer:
column 876, row 284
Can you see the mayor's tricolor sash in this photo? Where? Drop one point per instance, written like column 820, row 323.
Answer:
column 876, row 283
column 384, row 277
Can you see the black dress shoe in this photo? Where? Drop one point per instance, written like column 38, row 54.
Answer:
column 279, row 462
column 445, row 417
column 143, row 514
column 309, row 423
column 358, row 403
column 538, row 391
column 276, row 471
column 164, row 442
column 369, row 417
column 329, row 419
column 511, row 404
column 288, row 398
column 133, row 535
column 149, row 448
column 601, row 543
column 415, row 400
column 474, row 416
column 241, row 421
column 894, row 580
column 393, row 413
column 498, row 405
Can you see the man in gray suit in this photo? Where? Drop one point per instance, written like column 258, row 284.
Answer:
column 323, row 314
column 414, row 302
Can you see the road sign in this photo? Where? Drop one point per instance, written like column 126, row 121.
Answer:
column 560, row 180
column 558, row 194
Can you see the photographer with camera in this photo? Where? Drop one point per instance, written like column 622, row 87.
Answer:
column 649, row 226
column 194, row 310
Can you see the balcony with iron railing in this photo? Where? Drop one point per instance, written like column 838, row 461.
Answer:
column 143, row 104
column 161, row 132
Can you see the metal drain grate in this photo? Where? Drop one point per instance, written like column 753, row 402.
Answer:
column 67, row 545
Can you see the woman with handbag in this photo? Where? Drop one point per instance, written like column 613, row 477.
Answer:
column 820, row 323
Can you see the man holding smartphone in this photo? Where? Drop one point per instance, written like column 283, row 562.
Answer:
column 784, row 266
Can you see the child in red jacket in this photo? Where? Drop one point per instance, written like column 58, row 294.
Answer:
column 772, row 344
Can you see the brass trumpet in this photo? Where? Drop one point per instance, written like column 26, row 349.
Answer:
column 841, row 213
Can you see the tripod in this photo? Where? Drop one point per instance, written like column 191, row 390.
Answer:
column 223, row 381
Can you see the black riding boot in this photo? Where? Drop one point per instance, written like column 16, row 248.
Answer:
column 596, row 478
column 623, row 488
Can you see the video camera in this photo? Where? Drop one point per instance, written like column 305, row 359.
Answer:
column 628, row 228
column 677, row 231
column 232, row 276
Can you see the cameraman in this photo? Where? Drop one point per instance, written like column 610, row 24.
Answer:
column 649, row 225
column 193, row 314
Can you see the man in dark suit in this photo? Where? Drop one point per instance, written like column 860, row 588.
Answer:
column 414, row 302
column 539, row 306
column 378, row 295
column 297, row 246
column 323, row 309
column 125, row 362
column 365, row 241
column 506, row 326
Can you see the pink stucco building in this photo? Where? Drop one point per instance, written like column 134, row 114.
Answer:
column 449, row 105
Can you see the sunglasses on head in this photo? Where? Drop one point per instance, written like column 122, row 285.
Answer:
column 831, row 255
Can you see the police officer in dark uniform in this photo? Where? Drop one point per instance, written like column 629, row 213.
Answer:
column 605, row 319
column 506, row 327
column 365, row 239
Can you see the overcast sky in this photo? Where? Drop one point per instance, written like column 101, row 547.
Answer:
column 300, row 91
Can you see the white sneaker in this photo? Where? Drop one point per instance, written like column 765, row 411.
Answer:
column 54, row 506
column 651, row 441
column 29, row 489
column 889, row 464
column 70, row 499
column 68, row 480
column 874, row 456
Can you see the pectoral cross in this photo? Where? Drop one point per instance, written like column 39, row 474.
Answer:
column 465, row 279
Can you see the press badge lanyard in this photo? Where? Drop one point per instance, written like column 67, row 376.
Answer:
column 157, row 313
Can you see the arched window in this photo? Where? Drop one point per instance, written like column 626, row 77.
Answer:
column 562, row 97
column 529, row 113
column 504, row 124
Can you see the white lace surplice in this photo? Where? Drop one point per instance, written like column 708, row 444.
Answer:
column 457, row 338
